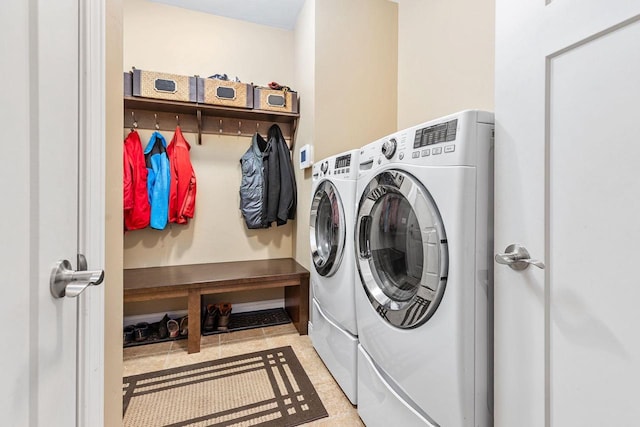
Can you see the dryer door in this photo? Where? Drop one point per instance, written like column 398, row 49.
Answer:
column 401, row 249
column 327, row 229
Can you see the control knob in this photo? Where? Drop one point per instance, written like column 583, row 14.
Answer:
column 324, row 167
column 389, row 148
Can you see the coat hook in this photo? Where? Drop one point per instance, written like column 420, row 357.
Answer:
column 177, row 120
column 220, row 128
column 134, row 125
column 257, row 127
column 155, row 116
column 239, row 127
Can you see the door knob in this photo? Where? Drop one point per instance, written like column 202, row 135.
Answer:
column 517, row 257
column 70, row 283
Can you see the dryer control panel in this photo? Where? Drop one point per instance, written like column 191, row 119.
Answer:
column 343, row 165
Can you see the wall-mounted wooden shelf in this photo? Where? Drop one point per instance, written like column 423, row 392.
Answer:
column 205, row 118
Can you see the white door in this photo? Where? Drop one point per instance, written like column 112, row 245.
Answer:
column 567, row 347
column 52, row 139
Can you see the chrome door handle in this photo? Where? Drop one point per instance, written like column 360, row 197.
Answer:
column 70, row 283
column 517, row 257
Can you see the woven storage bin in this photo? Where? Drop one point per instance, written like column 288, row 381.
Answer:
column 173, row 87
column 224, row 92
column 275, row 100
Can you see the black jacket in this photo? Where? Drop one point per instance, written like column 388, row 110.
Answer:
column 280, row 179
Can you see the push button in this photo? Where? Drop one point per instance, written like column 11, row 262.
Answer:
column 415, row 154
column 426, row 152
column 449, row 148
column 437, row 150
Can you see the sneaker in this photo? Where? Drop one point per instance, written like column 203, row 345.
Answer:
column 173, row 328
column 184, row 325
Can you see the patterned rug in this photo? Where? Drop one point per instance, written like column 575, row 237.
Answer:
column 265, row 388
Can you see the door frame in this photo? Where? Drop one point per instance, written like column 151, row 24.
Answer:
column 91, row 210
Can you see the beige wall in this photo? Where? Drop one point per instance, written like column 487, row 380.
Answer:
column 113, row 225
column 159, row 37
column 356, row 73
column 445, row 58
column 304, row 78
column 204, row 44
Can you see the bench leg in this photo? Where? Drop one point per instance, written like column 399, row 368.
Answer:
column 193, row 340
column 296, row 302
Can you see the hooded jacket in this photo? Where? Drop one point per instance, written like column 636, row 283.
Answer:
column 158, row 180
column 136, row 198
column 252, row 186
column 182, row 192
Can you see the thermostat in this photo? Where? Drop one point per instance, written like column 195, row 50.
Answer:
column 306, row 156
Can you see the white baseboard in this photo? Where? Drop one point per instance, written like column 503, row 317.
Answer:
column 242, row 307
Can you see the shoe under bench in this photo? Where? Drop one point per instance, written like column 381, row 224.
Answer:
column 193, row 281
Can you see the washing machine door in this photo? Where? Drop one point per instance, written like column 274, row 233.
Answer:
column 401, row 249
column 327, row 229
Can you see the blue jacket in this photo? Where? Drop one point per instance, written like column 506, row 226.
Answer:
column 158, row 180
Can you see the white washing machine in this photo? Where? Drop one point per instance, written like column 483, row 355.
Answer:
column 423, row 244
column 333, row 327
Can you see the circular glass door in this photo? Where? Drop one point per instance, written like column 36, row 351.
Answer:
column 327, row 229
column 401, row 249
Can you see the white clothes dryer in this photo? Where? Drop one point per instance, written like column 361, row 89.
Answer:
column 333, row 327
column 424, row 274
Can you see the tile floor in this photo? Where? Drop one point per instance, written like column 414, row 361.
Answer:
column 153, row 357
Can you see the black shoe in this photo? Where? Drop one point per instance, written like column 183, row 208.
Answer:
column 163, row 332
column 210, row 318
column 141, row 331
column 127, row 334
column 225, row 315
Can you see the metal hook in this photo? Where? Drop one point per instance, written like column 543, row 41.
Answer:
column 177, row 120
column 134, row 125
column 239, row 127
column 220, row 128
column 257, row 127
column 156, row 118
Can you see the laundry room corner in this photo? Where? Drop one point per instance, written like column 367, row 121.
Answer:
column 347, row 63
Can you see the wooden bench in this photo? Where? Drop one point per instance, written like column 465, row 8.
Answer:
column 193, row 281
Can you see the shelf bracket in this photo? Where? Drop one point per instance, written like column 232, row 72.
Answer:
column 199, row 120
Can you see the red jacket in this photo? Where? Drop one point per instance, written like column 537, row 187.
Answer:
column 136, row 198
column 182, row 195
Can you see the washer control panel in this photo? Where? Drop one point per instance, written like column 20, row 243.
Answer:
column 435, row 134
